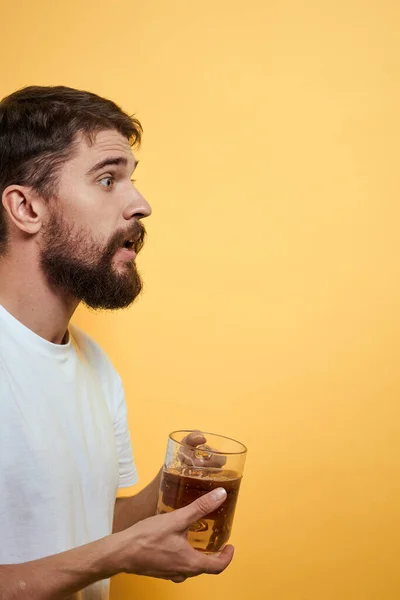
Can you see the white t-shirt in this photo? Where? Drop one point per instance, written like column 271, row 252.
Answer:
column 64, row 445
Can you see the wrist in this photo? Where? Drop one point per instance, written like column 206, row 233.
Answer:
column 112, row 559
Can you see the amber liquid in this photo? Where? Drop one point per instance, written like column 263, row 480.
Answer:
column 180, row 489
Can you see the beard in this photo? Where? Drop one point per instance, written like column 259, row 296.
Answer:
column 72, row 261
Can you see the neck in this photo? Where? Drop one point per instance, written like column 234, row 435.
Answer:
column 28, row 296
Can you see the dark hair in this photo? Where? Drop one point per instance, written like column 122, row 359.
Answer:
column 38, row 128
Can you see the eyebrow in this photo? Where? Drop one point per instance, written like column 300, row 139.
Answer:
column 108, row 162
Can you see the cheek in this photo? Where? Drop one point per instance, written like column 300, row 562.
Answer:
column 79, row 203
column 96, row 223
column 75, row 211
column 92, row 209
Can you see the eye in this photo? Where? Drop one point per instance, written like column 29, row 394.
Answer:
column 107, row 182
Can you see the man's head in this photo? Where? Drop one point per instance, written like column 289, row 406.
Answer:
column 67, row 196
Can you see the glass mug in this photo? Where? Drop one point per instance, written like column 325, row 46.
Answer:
column 192, row 470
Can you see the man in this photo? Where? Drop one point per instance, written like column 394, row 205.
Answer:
column 70, row 230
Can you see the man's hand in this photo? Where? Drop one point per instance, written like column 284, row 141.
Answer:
column 158, row 546
column 194, row 452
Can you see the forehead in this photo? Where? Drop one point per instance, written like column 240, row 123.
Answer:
column 105, row 144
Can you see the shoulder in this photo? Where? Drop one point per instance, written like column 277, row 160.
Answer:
column 87, row 347
column 93, row 355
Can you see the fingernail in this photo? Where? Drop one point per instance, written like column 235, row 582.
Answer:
column 218, row 494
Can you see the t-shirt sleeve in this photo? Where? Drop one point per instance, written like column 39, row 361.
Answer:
column 127, row 469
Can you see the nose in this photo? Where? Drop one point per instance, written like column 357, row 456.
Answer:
column 138, row 207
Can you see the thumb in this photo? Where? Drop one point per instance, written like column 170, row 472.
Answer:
column 200, row 508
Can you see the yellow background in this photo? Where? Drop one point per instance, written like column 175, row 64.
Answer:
column 272, row 304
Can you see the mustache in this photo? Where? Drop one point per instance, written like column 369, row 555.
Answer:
column 137, row 233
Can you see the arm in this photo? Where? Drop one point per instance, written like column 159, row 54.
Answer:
column 156, row 547
column 57, row 577
column 129, row 511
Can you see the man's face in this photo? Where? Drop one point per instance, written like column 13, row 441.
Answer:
column 93, row 231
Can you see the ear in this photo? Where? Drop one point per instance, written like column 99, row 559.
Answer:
column 25, row 208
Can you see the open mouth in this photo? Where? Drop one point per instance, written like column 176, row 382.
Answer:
column 129, row 244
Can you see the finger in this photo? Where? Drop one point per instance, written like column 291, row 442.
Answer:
column 186, row 456
column 213, row 565
column 217, row 460
column 201, row 457
column 190, row 456
column 194, row 438
column 189, row 443
column 201, row 507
